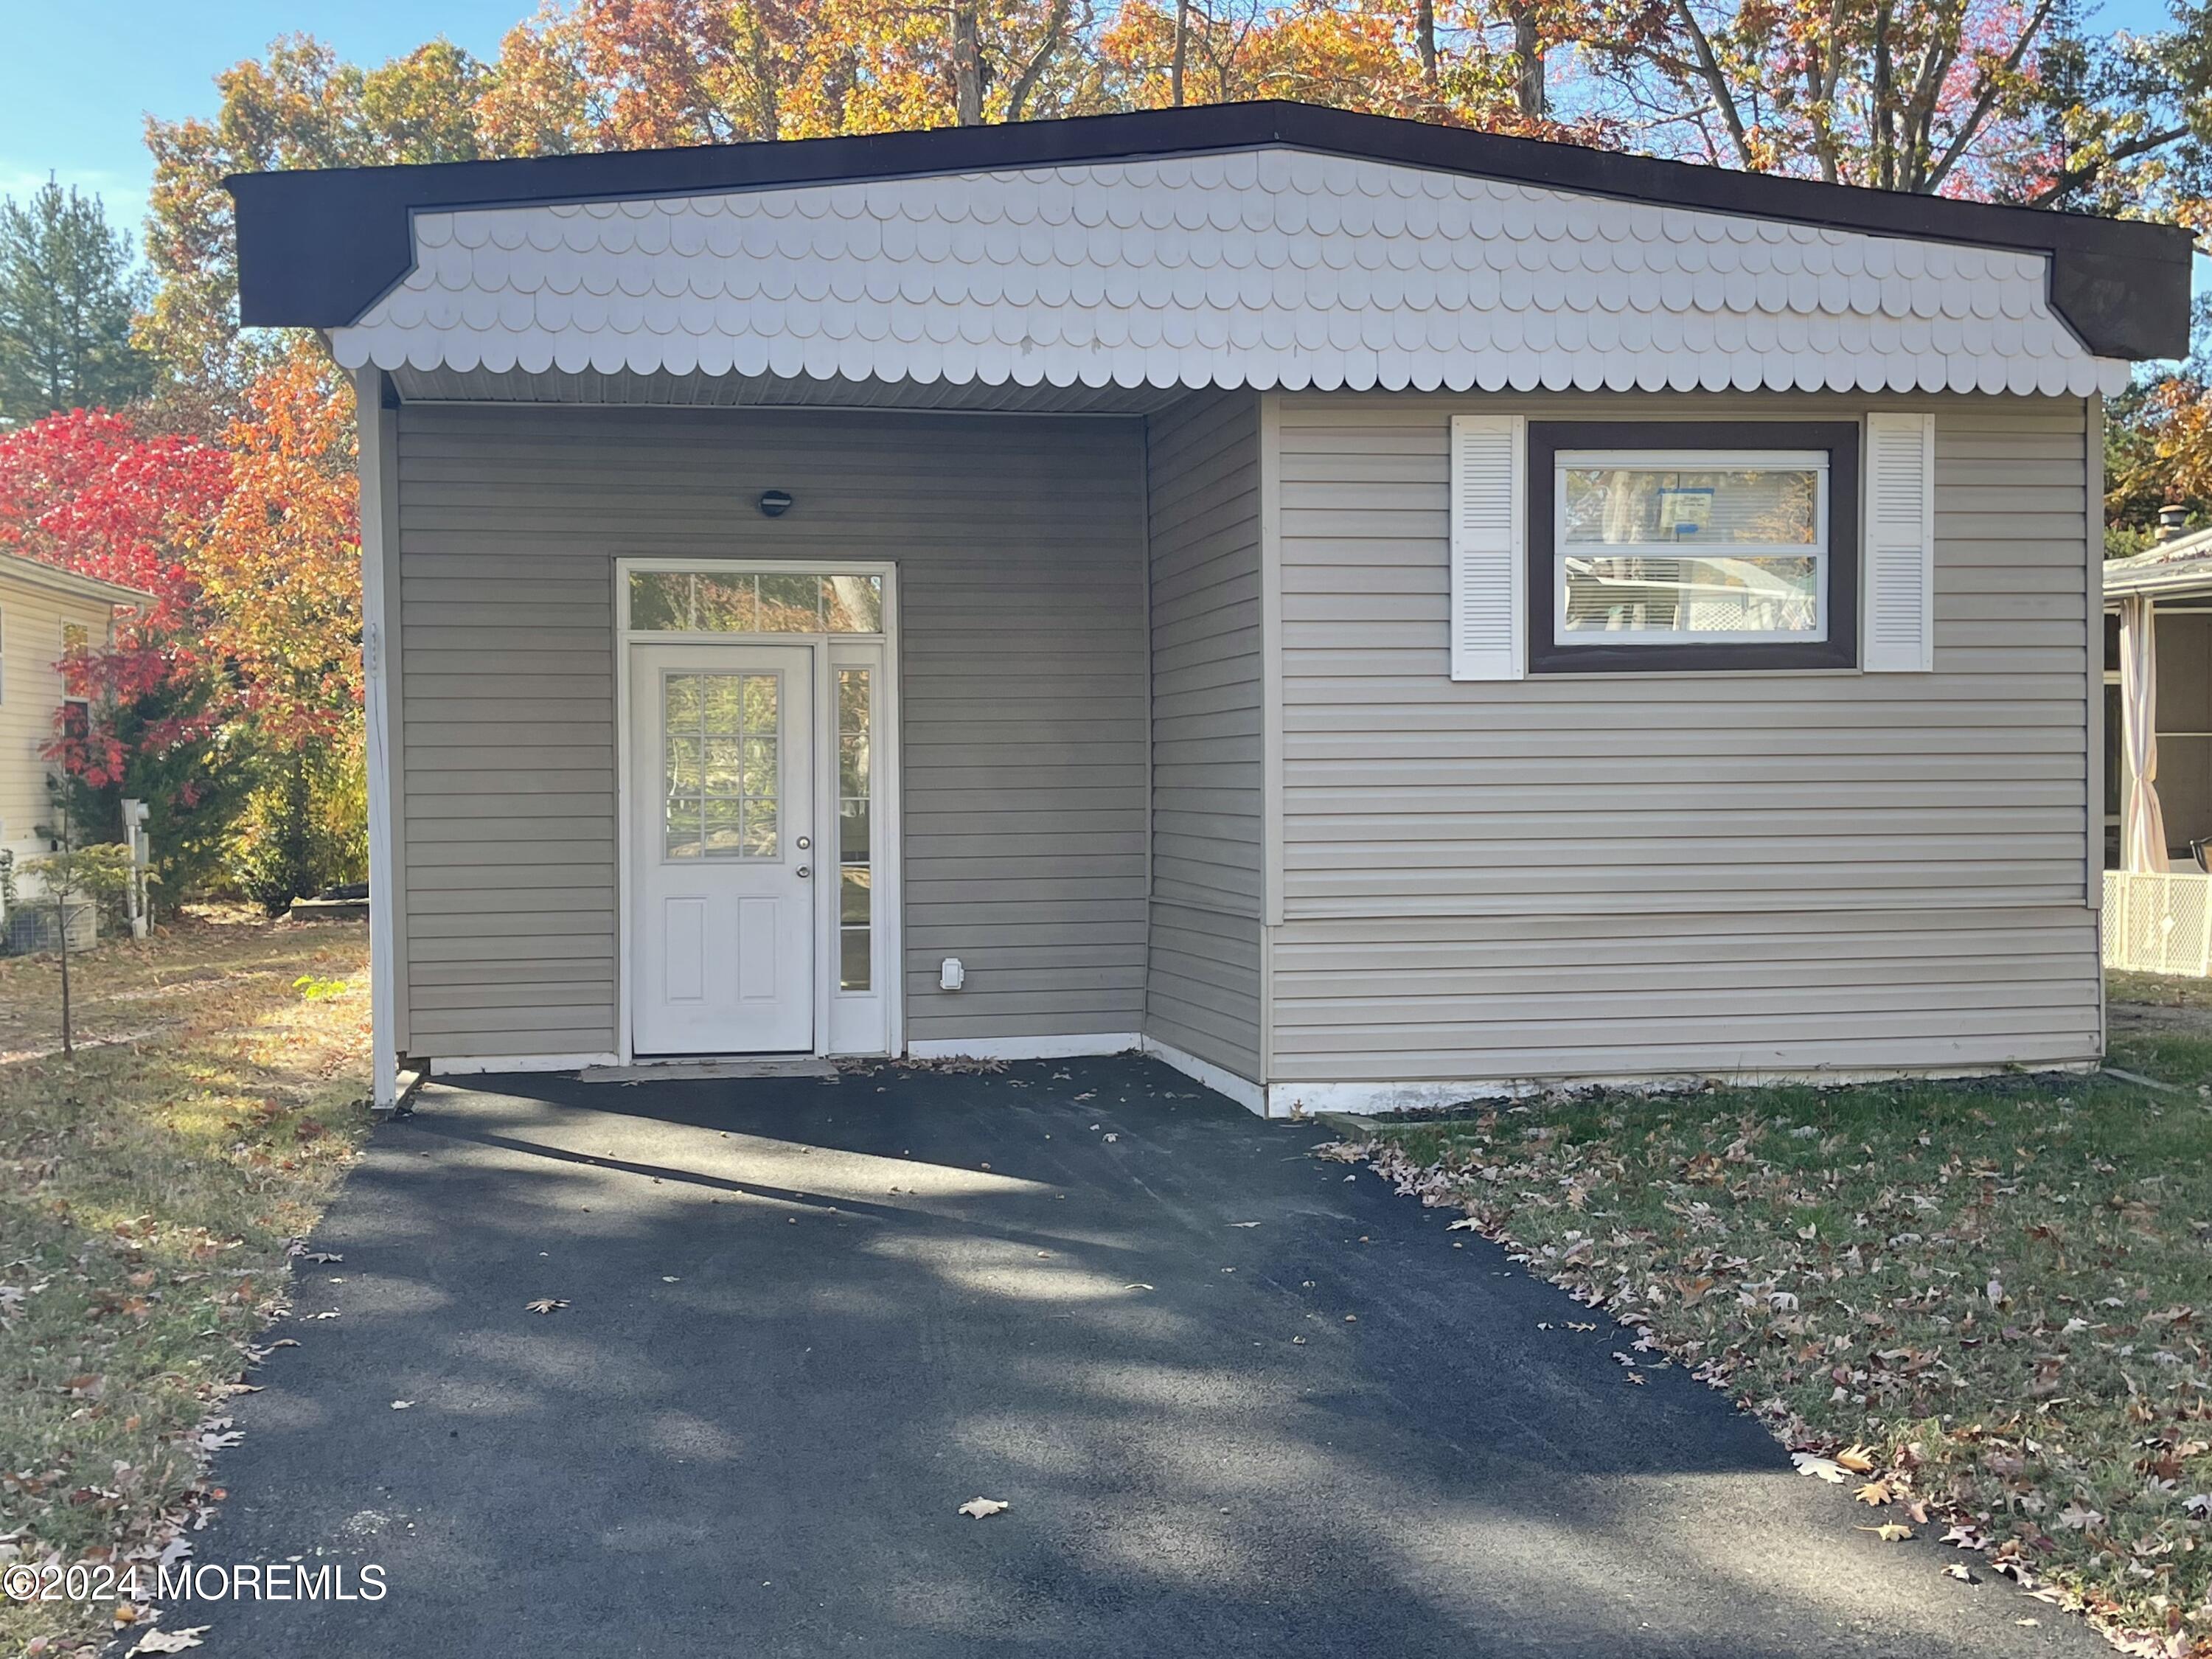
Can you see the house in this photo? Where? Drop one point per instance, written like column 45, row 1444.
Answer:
column 1365, row 611
column 45, row 612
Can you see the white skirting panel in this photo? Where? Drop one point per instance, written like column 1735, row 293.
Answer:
column 1026, row 1048
column 478, row 1064
column 1290, row 1099
column 1245, row 1093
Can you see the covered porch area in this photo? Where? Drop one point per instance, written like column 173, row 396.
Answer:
column 719, row 722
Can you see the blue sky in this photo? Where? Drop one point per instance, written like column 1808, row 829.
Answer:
column 78, row 76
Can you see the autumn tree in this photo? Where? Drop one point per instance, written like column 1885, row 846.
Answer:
column 2009, row 99
column 279, row 570
column 281, row 574
column 301, row 107
column 67, row 290
column 91, row 492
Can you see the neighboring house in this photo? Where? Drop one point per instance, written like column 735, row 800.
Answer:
column 2158, row 755
column 44, row 610
column 1366, row 612
column 2168, row 591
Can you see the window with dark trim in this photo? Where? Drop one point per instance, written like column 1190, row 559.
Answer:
column 1658, row 546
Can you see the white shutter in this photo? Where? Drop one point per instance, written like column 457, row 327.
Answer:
column 1900, row 543
column 1488, row 494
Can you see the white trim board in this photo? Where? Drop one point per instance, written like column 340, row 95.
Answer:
column 1366, row 1098
column 1077, row 1046
column 383, row 732
column 1251, row 1096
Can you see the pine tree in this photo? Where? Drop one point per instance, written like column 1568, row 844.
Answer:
column 67, row 292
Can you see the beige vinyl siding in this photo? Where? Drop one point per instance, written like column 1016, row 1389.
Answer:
column 1020, row 547
column 1593, row 876
column 1202, row 986
column 32, row 618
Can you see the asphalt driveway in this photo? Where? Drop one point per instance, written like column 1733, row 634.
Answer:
column 808, row 1320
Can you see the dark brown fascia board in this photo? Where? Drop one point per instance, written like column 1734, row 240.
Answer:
column 316, row 248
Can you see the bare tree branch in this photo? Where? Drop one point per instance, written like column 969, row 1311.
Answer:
column 1992, row 88
column 1025, row 82
column 1715, row 82
column 2074, row 178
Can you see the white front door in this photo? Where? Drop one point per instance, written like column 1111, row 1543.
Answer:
column 721, row 757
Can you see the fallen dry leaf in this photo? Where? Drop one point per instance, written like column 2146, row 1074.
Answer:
column 1859, row 1460
column 546, row 1304
column 1889, row 1532
column 1961, row 1572
column 401, row 1405
column 1825, row 1468
column 1874, row 1492
column 978, row 1508
column 170, row 1641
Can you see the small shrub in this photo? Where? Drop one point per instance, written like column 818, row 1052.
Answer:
column 305, row 828
column 102, row 874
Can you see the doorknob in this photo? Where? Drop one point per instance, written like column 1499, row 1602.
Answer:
column 804, row 843
column 804, row 872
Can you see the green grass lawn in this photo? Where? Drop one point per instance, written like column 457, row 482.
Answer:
column 151, row 1188
column 1995, row 1293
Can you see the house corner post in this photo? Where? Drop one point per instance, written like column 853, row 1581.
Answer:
column 378, row 426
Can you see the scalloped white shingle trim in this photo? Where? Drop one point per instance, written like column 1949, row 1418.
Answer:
column 1267, row 267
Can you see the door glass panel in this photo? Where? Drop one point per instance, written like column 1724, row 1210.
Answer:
column 723, row 786
column 853, row 604
column 853, row 896
column 855, row 868
column 749, row 602
column 660, row 600
column 853, row 959
column 790, row 604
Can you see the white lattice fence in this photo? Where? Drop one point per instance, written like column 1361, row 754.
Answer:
column 2159, row 924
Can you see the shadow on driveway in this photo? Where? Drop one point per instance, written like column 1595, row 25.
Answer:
column 809, row 1319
